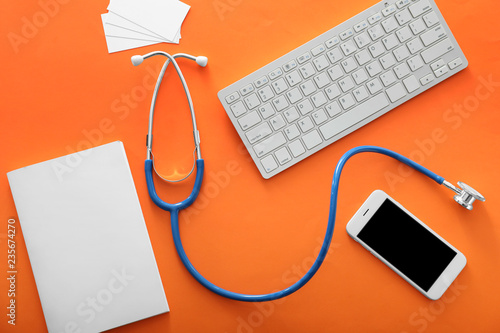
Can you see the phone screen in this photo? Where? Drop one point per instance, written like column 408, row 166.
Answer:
column 407, row 245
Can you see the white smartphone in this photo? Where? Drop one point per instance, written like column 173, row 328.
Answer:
column 405, row 244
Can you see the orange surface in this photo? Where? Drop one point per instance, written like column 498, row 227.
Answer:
column 60, row 87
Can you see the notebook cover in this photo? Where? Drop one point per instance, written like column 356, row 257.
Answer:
column 87, row 241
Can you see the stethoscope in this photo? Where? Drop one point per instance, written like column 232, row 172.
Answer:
column 465, row 195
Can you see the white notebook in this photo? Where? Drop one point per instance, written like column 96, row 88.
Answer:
column 87, row 241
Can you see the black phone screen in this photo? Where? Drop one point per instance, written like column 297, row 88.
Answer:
column 407, row 245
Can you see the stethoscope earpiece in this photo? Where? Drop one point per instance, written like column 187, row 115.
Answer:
column 465, row 195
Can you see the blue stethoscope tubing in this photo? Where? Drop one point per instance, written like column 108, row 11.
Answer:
column 174, row 210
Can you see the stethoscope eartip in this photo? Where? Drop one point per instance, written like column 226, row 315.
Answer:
column 137, row 60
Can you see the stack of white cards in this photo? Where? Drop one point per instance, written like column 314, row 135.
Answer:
column 135, row 23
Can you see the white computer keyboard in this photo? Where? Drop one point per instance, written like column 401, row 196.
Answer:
column 341, row 80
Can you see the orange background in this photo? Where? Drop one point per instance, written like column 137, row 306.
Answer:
column 245, row 233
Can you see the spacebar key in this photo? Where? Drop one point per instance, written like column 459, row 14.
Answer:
column 354, row 116
column 269, row 144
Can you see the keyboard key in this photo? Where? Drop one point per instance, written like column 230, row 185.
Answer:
column 401, row 70
column 433, row 35
column 233, row 97
column 390, row 24
column 290, row 65
column 312, row 139
column 401, row 53
column 387, row 61
column 332, row 91
column 334, row 55
column 335, row 72
column 411, row 84
column 403, row 17
column 269, row 163
column 291, row 114
column 348, row 48
column 292, row 132
column 348, row 119
column 390, row 42
column 404, row 34
column 296, row 148
column 305, row 107
column 307, row 87
column 260, row 132
column 347, row 101
column 321, row 63
column 319, row 116
column 294, row 95
column 360, row 26
column 332, row 42
column 238, row 109
column 249, row 120
column 375, row 18
column 293, row 78
column 360, row 76
column 362, row 57
column 376, row 32
column 346, row 34
column 280, row 103
column 279, row 86
column 431, row 19
column 322, row 80
column 318, row 99
column 277, row 122
column 283, row 156
column 396, row 92
column 349, row 64
column 252, row 101
column 437, row 50
column 374, row 86
column 360, row 93
column 262, row 81
column 269, row 144
column 415, row 63
column 362, row 40
column 346, row 84
column 415, row 45
column 333, row 109
column 247, row 89
column 303, row 58
column 305, row 124
column 437, row 64
column 455, row 63
column 427, row 79
column 266, row 110
column 307, row 70
column 266, row 93
column 388, row 78
column 402, row 3
column 389, row 10
column 318, row 49
column 417, row 26
column 374, row 68
column 276, row 73
column 419, row 8
column 441, row 71
column 376, row 49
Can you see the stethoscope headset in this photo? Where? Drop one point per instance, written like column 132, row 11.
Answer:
column 464, row 194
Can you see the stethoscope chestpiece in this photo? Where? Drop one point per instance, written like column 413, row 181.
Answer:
column 465, row 195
